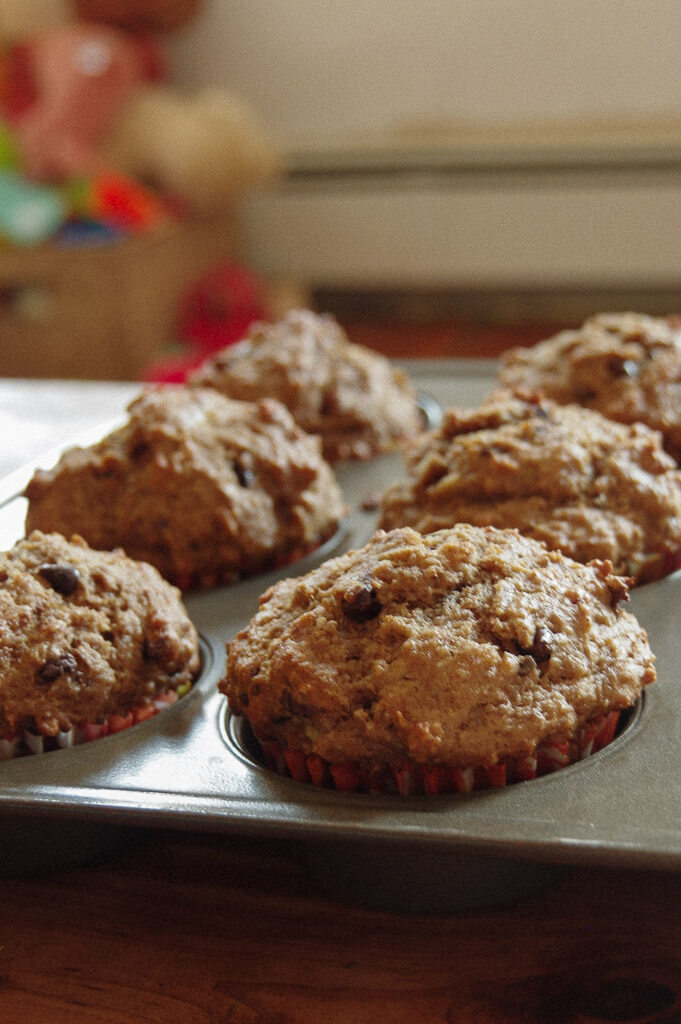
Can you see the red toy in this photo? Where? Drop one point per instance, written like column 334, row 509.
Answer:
column 217, row 311
column 220, row 307
column 119, row 201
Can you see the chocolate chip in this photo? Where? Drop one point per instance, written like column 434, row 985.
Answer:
column 361, row 604
column 139, row 451
column 243, row 474
column 155, row 649
column 62, row 578
column 293, row 706
column 541, row 646
column 53, row 668
column 329, row 404
column 620, row 367
column 364, row 700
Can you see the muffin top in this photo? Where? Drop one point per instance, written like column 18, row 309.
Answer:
column 561, row 474
column 352, row 397
column 85, row 634
column 626, row 365
column 205, row 488
column 461, row 647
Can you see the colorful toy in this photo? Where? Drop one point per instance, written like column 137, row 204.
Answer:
column 29, row 213
column 85, row 95
column 9, row 153
column 118, row 201
column 80, row 232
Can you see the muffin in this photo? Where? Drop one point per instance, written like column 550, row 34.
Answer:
column 90, row 642
column 625, row 365
column 441, row 662
column 353, row 398
column 564, row 475
column 206, row 489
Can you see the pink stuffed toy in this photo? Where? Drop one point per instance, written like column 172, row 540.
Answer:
column 81, row 93
column 80, row 77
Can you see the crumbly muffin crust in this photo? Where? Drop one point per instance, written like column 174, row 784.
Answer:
column 205, row 488
column 85, row 634
column 564, row 475
column 462, row 647
column 352, row 397
column 626, row 365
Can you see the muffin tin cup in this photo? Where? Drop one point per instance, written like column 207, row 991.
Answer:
column 412, row 779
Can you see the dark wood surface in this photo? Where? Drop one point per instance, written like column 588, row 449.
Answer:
column 187, row 927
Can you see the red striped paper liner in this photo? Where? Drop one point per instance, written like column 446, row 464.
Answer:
column 411, row 779
column 27, row 742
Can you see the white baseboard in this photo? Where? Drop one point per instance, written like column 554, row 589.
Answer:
column 560, row 223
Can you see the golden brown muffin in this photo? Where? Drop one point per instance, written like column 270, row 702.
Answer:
column 86, row 636
column 564, row 475
column 470, row 648
column 352, row 397
column 625, row 365
column 206, row 489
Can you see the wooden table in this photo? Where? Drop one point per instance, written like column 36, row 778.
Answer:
column 191, row 928
column 187, row 927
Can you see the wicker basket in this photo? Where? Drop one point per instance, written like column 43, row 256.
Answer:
column 102, row 312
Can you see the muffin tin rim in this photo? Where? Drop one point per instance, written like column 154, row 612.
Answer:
column 608, row 835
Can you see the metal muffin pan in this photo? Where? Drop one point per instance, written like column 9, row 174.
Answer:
column 186, row 768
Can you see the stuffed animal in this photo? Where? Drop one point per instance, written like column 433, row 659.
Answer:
column 83, row 91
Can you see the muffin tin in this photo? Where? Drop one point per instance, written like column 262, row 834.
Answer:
column 191, row 766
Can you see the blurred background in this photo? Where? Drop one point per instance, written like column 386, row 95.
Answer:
column 450, row 175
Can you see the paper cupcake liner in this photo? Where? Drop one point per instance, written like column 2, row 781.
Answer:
column 410, row 779
column 26, row 742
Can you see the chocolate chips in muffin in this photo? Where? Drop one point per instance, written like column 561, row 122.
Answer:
column 86, row 636
column 625, row 365
column 480, row 650
column 562, row 474
column 205, row 488
column 353, row 398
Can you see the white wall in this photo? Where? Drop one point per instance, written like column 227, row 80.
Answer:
column 323, row 72
column 314, row 69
